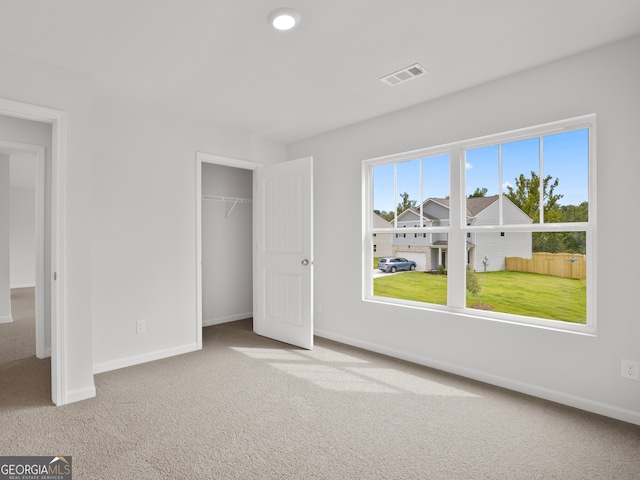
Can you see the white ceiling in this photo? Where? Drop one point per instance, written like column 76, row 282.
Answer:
column 219, row 60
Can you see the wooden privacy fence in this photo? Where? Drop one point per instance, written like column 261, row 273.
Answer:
column 567, row 265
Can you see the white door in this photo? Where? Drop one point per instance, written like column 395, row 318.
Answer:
column 283, row 264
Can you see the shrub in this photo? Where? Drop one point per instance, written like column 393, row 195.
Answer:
column 473, row 286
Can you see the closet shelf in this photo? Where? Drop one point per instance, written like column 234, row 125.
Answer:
column 234, row 200
column 226, row 199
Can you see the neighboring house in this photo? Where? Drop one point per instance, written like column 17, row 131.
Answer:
column 486, row 251
column 382, row 242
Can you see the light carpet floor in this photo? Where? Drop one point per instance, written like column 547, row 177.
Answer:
column 18, row 339
column 246, row 407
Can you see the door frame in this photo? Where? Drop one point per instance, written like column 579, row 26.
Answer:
column 208, row 158
column 39, row 152
column 59, row 331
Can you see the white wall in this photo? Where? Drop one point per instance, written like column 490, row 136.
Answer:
column 44, row 85
column 23, row 237
column 144, row 226
column 5, row 288
column 583, row 371
column 227, row 253
column 130, row 234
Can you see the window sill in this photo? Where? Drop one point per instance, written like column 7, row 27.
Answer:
column 553, row 325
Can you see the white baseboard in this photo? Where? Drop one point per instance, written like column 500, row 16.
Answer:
column 230, row 318
column 47, row 354
column 144, row 358
column 607, row 410
column 26, row 285
column 7, row 319
column 81, row 394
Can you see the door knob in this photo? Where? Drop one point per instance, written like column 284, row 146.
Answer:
column 305, row 262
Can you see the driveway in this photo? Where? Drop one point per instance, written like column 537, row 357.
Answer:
column 379, row 273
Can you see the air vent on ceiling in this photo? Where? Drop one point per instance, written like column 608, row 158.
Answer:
column 403, row 75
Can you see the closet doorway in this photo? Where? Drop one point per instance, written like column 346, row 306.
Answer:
column 281, row 246
column 224, row 190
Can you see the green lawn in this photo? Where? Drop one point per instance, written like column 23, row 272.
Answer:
column 528, row 294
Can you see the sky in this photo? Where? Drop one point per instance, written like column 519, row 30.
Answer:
column 565, row 156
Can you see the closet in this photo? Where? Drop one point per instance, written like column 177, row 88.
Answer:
column 227, row 239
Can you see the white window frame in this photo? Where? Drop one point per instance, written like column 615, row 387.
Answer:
column 458, row 229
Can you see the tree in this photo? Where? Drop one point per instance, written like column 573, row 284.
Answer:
column 526, row 196
column 575, row 213
column 559, row 242
column 574, row 242
column 480, row 192
column 406, row 203
column 388, row 216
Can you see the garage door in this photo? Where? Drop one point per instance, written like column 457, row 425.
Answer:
column 419, row 257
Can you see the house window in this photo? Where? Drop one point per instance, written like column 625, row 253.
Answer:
column 511, row 223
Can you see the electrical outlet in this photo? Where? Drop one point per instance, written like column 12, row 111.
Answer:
column 630, row 369
column 141, row 327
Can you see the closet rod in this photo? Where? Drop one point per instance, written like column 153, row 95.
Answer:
column 226, row 199
column 233, row 200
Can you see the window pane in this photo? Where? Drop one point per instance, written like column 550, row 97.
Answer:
column 408, row 174
column 481, row 166
column 566, row 161
column 539, row 284
column 521, row 179
column 382, row 246
column 383, row 193
column 435, row 177
column 482, row 185
column 428, row 283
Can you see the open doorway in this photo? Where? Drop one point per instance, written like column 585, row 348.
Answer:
column 224, row 261
column 25, row 229
column 54, row 278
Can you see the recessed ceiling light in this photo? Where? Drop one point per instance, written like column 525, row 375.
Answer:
column 284, row 18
